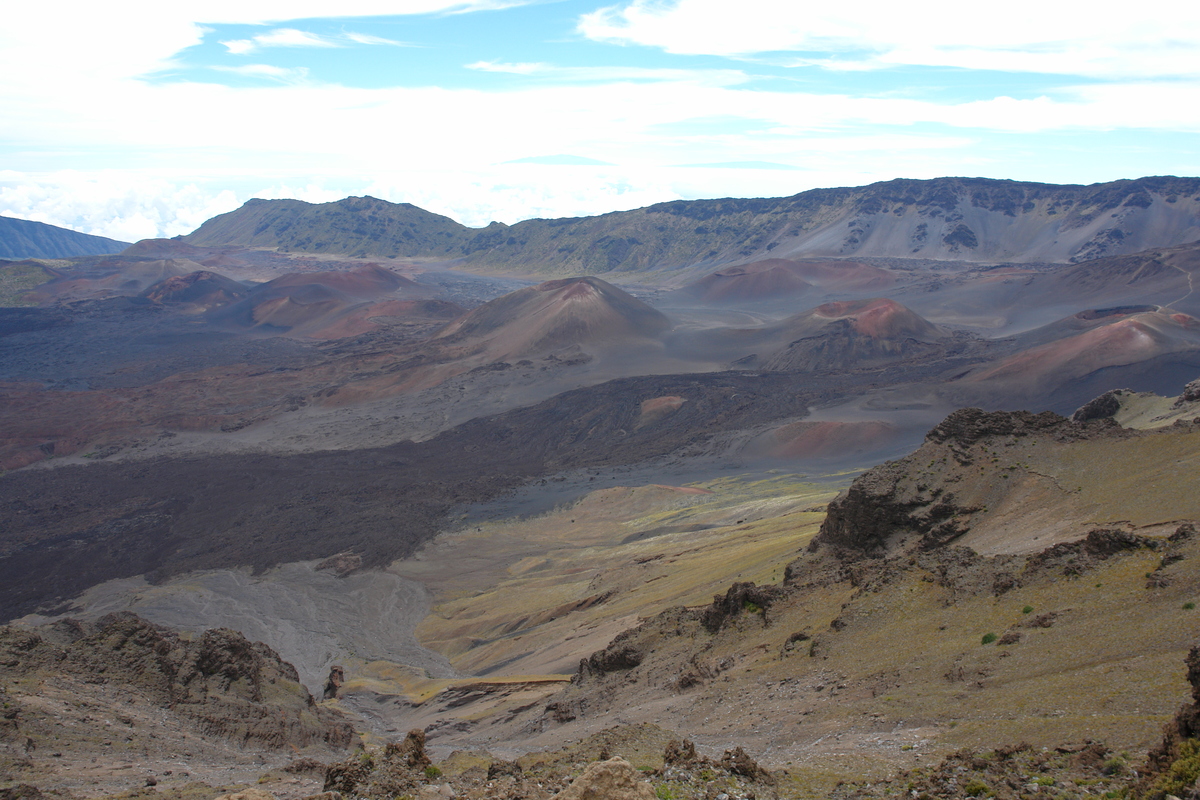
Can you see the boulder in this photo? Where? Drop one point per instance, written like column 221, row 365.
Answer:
column 614, row 779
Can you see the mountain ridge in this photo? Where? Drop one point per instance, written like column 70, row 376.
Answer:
column 972, row 219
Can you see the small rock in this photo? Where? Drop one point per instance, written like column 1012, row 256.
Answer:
column 247, row 794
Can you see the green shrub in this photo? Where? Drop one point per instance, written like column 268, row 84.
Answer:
column 988, row 638
column 1182, row 773
column 977, row 788
column 1026, row 609
column 1188, row 606
column 432, row 772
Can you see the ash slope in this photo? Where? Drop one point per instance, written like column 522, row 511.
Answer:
column 556, row 314
column 972, row 219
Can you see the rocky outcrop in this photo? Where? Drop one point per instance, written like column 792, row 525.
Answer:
column 337, row 676
column 224, row 684
column 1190, row 394
column 741, row 598
column 967, row 426
column 630, row 647
column 624, row 652
column 923, row 497
column 399, row 769
column 1106, row 405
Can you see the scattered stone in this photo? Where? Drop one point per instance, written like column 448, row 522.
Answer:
column 247, row 794
column 22, row 791
column 1041, row 620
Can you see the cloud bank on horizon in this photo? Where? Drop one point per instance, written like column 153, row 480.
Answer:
column 133, row 119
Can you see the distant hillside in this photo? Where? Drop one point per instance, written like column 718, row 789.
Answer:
column 23, row 238
column 355, row 226
column 968, row 219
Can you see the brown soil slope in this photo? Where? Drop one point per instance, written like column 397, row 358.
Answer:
column 1106, row 340
column 119, row 703
column 1018, row 578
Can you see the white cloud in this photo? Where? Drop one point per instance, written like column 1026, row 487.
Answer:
column 1024, row 36
column 522, row 68
column 142, row 37
column 288, row 75
column 293, row 37
column 240, row 47
column 280, row 37
column 713, row 77
column 114, row 204
column 366, row 38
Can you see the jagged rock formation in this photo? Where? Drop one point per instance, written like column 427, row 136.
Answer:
column 223, row 684
column 337, row 676
column 949, row 218
column 1102, row 407
column 400, row 768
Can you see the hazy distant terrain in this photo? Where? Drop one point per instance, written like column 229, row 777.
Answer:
column 970, row 219
column 20, row 238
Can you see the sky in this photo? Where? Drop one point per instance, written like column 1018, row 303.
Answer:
column 133, row 119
